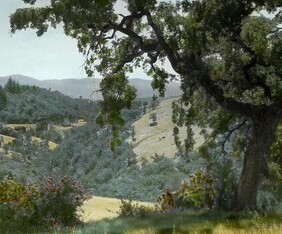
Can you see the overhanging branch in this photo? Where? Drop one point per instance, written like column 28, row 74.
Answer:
column 229, row 133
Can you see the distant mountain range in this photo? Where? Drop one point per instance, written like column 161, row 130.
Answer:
column 86, row 87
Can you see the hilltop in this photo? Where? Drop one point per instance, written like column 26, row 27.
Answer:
column 85, row 87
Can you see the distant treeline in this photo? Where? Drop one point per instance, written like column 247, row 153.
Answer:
column 31, row 104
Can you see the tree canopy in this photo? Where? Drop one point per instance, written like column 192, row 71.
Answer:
column 226, row 54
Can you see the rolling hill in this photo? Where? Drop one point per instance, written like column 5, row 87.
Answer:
column 85, row 87
column 151, row 140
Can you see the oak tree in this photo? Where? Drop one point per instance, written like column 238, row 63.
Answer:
column 226, row 54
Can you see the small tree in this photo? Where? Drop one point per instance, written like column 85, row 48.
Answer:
column 145, row 105
column 3, row 98
column 154, row 102
column 133, row 133
column 153, row 117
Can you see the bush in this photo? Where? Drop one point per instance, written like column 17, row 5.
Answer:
column 17, row 205
column 24, row 207
column 197, row 192
column 7, row 131
column 131, row 209
column 59, row 201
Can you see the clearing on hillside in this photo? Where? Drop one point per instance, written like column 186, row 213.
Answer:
column 158, row 139
column 98, row 208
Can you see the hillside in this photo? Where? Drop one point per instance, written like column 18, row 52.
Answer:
column 31, row 104
column 151, row 140
column 85, row 87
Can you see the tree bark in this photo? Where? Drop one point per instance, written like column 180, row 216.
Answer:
column 255, row 163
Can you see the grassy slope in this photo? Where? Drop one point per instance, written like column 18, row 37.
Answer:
column 7, row 139
column 52, row 145
column 159, row 139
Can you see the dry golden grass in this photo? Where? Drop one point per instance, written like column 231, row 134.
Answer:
column 27, row 126
column 159, row 139
column 98, row 208
column 51, row 144
column 7, row 139
column 80, row 122
column 61, row 128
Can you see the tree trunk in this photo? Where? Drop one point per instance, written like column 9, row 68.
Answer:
column 255, row 163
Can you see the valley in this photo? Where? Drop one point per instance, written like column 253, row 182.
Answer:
column 46, row 134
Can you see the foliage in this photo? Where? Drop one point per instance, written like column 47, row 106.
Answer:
column 30, row 104
column 189, row 222
column 7, row 131
column 3, row 98
column 28, row 206
column 154, row 102
column 84, row 154
column 17, row 204
column 131, row 209
column 197, row 192
column 59, row 201
column 227, row 59
column 14, row 87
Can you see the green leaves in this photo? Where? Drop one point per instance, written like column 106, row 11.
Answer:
column 255, row 33
column 117, row 95
column 224, row 55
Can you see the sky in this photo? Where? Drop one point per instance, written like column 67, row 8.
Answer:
column 52, row 56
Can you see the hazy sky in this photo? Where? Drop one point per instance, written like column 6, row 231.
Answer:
column 52, row 56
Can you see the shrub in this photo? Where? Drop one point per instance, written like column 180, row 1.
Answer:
column 59, row 201
column 197, row 192
column 131, row 209
column 7, row 131
column 17, row 204
column 20, row 128
column 54, row 203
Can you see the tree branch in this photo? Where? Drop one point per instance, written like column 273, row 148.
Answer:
column 217, row 92
column 230, row 132
column 254, row 61
column 172, row 57
column 126, row 60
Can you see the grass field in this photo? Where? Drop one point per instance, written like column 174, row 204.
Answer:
column 187, row 222
column 99, row 208
column 100, row 217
